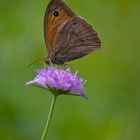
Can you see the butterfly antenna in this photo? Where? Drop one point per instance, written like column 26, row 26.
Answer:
column 30, row 64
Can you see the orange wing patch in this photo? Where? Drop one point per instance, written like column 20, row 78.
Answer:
column 53, row 24
column 56, row 14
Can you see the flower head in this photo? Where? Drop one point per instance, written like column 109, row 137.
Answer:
column 60, row 80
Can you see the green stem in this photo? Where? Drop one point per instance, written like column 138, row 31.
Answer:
column 49, row 117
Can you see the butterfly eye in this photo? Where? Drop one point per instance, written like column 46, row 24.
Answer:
column 56, row 14
column 74, row 23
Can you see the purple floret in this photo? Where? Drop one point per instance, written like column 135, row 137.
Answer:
column 62, row 80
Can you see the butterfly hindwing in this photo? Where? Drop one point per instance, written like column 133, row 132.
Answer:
column 75, row 39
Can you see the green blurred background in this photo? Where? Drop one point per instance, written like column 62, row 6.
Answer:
column 113, row 109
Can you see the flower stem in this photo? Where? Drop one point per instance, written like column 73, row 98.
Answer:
column 49, row 117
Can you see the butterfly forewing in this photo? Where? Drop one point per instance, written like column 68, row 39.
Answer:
column 75, row 39
column 56, row 14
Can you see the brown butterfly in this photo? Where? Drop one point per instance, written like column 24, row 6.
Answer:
column 67, row 36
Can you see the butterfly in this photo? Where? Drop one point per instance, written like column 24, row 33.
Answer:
column 67, row 36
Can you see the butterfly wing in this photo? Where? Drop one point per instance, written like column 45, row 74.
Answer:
column 75, row 39
column 56, row 14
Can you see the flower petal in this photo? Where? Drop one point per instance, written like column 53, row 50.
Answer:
column 84, row 95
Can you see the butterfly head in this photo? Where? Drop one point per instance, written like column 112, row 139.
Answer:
column 49, row 61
